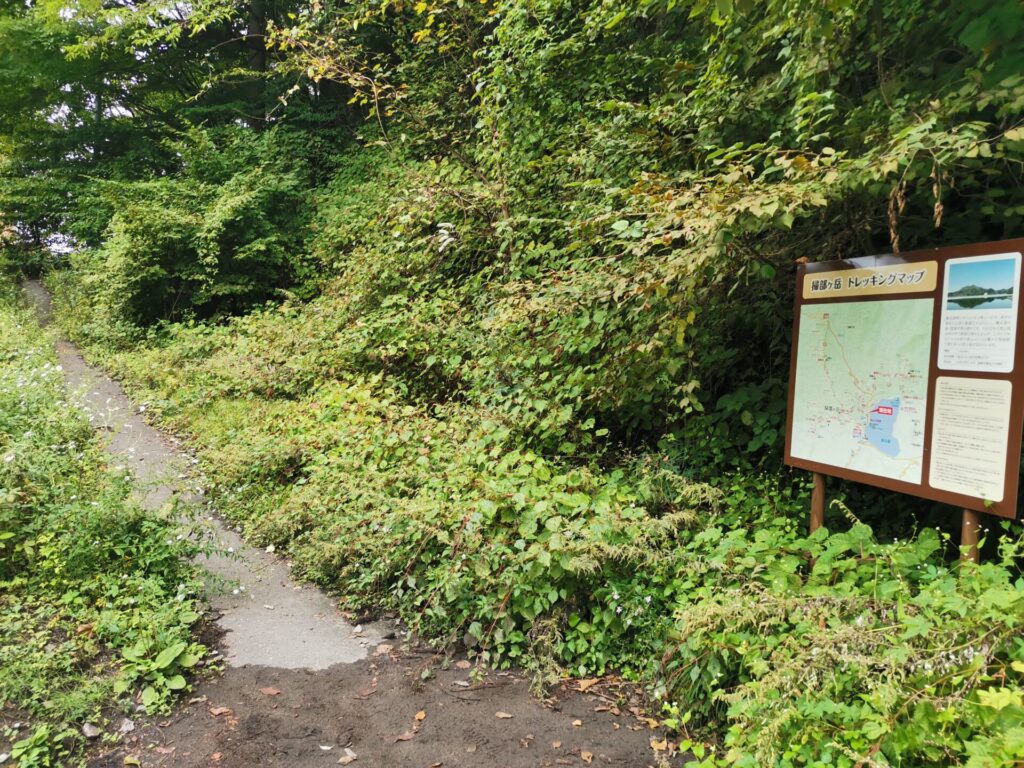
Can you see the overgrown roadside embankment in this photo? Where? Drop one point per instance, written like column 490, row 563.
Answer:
column 775, row 647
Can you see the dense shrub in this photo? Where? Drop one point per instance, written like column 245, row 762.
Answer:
column 840, row 650
column 217, row 238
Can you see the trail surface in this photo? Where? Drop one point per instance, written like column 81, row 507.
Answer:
column 271, row 621
column 302, row 687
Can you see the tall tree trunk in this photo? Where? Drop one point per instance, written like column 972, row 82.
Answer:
column 97, row 146
column 256, row 40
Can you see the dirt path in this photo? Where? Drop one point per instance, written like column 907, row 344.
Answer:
column 271, row 621
column 301, row 685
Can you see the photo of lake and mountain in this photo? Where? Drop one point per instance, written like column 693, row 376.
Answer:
column 988, row 284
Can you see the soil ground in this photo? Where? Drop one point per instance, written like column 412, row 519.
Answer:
column 301, row 687
column 238, row 719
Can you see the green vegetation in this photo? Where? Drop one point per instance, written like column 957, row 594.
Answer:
column 481, row 311
column 96, row 596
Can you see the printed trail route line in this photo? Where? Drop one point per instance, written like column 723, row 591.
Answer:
column 302, row 687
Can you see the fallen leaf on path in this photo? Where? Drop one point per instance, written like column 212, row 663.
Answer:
column 348, row 757
column 367, row 692
column 407, row 736
column 270, row 691
column 421, row 715
column 218, row 711
column 651, row 722
column 216, row 757
column 471, row 749
column 590, row 682
column 503, row 715
column 556, row 744
column 587, row 757
column 132, row 761
column 461, row 683
column 659, row 746
column 383, row 649
column 462, row 664
column 164, row 750
column 615, row 726
column 577, row 723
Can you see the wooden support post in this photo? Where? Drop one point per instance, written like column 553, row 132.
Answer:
column 818, row 502
column 970, row 527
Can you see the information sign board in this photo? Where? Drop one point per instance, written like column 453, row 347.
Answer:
column 906, row 373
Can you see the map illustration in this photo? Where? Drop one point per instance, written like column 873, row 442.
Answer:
column 861, row 386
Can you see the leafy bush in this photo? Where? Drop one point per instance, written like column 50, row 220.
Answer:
column 215, row 239
column 840, row 650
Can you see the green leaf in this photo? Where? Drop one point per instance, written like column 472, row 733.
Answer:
column 150, row 697
column 613, row 22
column 176, row 682
column 916, row 626
column 188, row 659
column 167, row 656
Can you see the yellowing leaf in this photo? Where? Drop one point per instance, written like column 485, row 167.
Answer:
column 1000, row 698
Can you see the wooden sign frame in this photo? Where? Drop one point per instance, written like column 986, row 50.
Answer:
column 886, row 277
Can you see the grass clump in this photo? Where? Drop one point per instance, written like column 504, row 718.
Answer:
column 97, row 596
